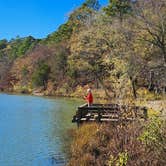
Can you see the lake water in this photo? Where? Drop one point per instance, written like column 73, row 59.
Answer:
column 32, row 130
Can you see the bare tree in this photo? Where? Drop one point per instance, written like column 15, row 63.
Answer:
column 151, row 19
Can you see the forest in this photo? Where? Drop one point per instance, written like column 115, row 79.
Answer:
column 117, row 48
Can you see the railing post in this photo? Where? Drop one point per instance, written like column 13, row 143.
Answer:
column 99, row 116
column 79, row 112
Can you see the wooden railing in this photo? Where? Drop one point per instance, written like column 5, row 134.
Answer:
column 108, row 113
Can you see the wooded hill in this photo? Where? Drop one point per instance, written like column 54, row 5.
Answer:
column 119, row 48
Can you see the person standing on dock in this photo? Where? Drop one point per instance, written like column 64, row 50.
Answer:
column 89, row 97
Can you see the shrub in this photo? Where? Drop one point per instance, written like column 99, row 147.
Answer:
column 133, row 144
column 41, row 75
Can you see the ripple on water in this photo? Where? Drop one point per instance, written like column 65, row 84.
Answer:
column 32, row 128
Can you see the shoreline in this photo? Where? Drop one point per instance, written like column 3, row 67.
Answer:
column 43, row 94
column 30, row 94
column 154, row 104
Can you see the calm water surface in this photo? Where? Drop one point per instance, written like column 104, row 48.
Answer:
column 32, row 130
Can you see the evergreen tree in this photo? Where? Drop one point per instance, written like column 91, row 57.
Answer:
column 118, row 8
column 41, row 75
column 92, row 4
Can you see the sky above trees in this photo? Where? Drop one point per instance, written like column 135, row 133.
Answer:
column 34, row 17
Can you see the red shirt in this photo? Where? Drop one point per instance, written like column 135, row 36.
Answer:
column 89, row 98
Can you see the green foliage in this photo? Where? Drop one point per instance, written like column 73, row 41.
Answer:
column 3, row 44
column 154, row 140
column 118, row 8
column 81, row 16
column 72, row 72
column 59, row 63
column 92, row 4
column 27, row 44
column 121, row 161
column 41, row 75
column 63, row 33
column 17, row 47
column 20, row 46
column 24, row 71
column 153, row 135
column 76, row 18
column 123, row 157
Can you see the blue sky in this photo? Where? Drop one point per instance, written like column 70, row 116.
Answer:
column 34, row 17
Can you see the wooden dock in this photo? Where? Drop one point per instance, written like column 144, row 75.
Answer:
column 108, row 113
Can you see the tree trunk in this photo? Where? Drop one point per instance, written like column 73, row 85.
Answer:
column 164, row 53
column 151, row 84
column 165, row 59
column 44, row 84
column 133, row 87
column 105, row 89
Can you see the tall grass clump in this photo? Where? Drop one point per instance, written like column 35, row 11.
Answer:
column 133, row 144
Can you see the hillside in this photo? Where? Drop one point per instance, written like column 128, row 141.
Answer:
column 118, row 50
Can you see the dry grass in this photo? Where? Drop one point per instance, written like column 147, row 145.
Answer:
column 109, row 145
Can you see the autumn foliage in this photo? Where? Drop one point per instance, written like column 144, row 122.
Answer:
column 100, row 47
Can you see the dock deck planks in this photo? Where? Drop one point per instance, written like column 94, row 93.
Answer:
column 108, row 113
